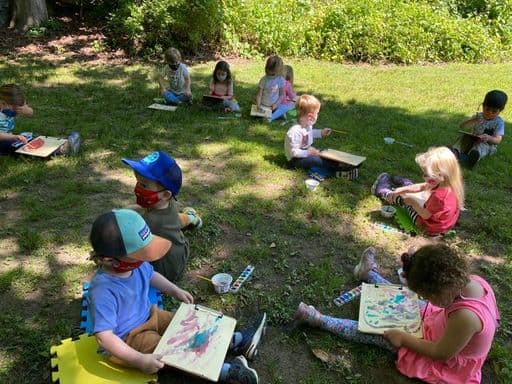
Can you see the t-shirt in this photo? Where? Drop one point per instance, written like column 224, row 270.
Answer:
column 289, row 95
column 177, row 78
column 271, row 86
column 167, row 224
column 221, row 88
column 120, row 304
column 466, row 366
column 7, row 120
column 492, row 127
column 298, row 140
column 443, row 206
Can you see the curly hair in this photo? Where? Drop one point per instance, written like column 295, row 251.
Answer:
column 434, row 269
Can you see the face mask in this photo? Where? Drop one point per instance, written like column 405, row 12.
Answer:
column 145, row 197
column 126, row 266
column 8, row 112
column 174, row 66
column 222, row 77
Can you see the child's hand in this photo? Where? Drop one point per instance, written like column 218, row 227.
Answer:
column 183, row 296
column 313, row 151
column 326, row 132
column 485, row 138
column 21, row 138
column 395, row 337
column 150, row 363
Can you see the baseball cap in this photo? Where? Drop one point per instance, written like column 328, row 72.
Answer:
column 123, row 232
column 160, row 167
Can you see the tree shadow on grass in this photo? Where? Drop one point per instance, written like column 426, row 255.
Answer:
column 234, row 174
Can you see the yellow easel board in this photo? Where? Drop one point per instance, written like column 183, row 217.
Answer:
column 197, row 340
column 261, row 112
column 41, row 146
column 163, row 107
column 342, row 157
column 389, row 306
column 78, row 362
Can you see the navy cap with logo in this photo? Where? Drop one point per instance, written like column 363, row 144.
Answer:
column 160, row 167
column 124, row 233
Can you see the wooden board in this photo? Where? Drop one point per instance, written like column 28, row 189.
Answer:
column 213, row 101
column 261, row 112
column 389, row 306
column 342, row 157
column 197, row 340
column 163, row 107
column 470, row 134
column 41, row 146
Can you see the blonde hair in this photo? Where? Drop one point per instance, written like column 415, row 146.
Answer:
column 172, row 55
column 12, row 94
column 442, row 163
column 306, row 104
column 288, row 73
column 274, row 66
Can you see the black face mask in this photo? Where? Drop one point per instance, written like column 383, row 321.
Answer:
column 174, row 66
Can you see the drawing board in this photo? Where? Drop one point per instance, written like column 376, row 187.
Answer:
column 470, row 134
column 197, row 340
column 41, row 146
column 261, row 112
column 213, row 101
column 163, row 107
column 342, row 157
column 390, row 306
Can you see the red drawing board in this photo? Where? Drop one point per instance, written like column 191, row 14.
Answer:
column 41, row 146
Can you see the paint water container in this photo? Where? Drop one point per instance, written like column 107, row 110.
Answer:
column 222, row 282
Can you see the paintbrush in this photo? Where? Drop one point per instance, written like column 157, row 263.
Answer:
column 204, row 278
column 337, row 131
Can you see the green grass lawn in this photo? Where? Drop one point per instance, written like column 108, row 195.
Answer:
column 256, row 211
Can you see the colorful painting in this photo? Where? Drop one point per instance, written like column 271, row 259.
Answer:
column 42, row 146
column 197, row 340
column 386, row 307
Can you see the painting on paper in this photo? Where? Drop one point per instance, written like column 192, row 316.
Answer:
column 197, row 340
column 390, row 306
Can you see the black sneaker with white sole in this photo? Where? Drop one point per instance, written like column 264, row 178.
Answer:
column 251, row 337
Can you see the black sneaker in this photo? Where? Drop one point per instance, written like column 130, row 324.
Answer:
column 251, row 337
column 240, row 373
column 473, row 157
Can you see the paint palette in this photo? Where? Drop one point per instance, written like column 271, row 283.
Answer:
column 241, row 279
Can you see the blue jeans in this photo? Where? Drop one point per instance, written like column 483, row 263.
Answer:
column 281, row 110
column 6, row 146
column 176, row 98
column 313, row 161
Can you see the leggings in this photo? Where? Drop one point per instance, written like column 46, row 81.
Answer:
column 347, row 329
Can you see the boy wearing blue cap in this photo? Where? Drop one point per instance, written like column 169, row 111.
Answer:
column 125, row 324
column 159, row 180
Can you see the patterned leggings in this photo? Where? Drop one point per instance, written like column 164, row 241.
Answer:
column 347, row 329
column 410, row 211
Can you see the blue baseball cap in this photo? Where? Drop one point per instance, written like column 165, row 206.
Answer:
column 124, row 233
column 160, row 167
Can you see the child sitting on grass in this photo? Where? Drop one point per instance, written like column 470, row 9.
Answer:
column 271, row 88
column 158, row 183
column 442, row 191
column 222, row 86
column 299, row 139
column 460, row 317
column 178, row 79
column 12, row 103
column 487, row 125
column 125, row 324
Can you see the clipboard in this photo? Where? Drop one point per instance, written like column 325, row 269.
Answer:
column 41, row 146
column 197, row 340
column 389, row 306
column 261, row 112
column 475, row 136
column 342, row 157
column 163, row 107
column 213, row 101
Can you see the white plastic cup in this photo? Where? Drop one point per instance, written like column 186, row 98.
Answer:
column 389, row 140
column 311, row 184
column 387, row 211
column 222, row 282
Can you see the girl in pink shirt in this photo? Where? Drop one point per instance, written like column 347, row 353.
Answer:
column 221, row 86
column 460, row 317
column 435, row 204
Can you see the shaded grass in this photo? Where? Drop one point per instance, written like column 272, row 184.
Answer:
column 235, row 176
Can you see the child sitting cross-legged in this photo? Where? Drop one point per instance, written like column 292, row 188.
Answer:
column 158, row 182
column 124, row 323
column 460, row 317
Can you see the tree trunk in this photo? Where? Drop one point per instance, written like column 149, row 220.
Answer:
column 27, row 13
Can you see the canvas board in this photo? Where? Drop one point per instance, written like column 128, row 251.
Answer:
column 163, row 107
column 342, row 157
column 389, row 306
column 41, row 146
column 261, row 112
column 197, row 340
column 470, row 134
column 213, row 101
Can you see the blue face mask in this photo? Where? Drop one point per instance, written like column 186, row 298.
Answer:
column 8, row 112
